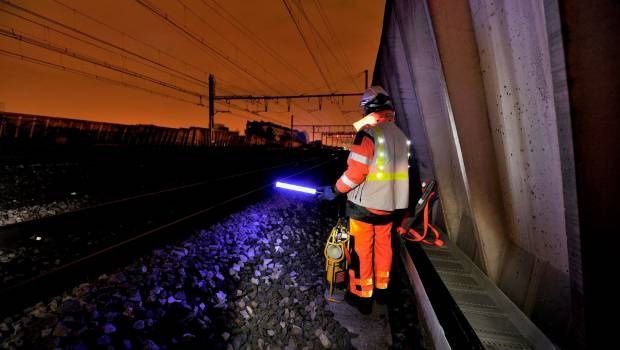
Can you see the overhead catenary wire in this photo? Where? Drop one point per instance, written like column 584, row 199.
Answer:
column 181, row 75
column 224, row 61
column 102, row 41
column 238, row 66
column 230, row 103
column 313, row 38
column 245, row 110
column 201, row 41
column 195, row 37
column 68, row 52
column 106, row 42
column 73, row 54
column 239, row 49
column 256, row 39
column 143, row 42
column 320, row 39
column 232, row 20
column 335, row 39
column 64, row 68
column 318, row 66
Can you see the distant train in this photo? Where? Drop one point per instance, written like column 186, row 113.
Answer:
column 17, row 128
column 266, row 133
column 37, row 129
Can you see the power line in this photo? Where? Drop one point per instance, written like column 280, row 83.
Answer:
column 231, row 43
column 181, row 75
column 313, row 39
column 256, row 39
column 245, row 110
column 229, row 103
column 143, row 42
column 63, row 68
column 321, row 39
column 334, row 36
column 283, row 97
column 198, row 39
column 318, row 66
column 232, row 20
column 105, row 42
column 105, row 64
column 70, row 53
column 101, row 40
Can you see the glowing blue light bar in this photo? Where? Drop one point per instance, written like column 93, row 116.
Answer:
column 295, row 187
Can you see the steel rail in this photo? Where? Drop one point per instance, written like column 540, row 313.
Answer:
column 10, row 295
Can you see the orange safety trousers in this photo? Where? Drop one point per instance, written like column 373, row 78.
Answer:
column 371, row 257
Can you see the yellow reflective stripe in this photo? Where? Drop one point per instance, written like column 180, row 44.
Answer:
column 347, row 181
column 381, row 285
column 362, row 283
column 363, row 294
column 358, row 281
column 366, row 282
column 359, row 158
column 385, row 176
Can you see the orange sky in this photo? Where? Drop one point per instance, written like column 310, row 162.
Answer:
column 222, row 44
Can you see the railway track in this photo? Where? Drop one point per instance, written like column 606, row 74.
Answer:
column 88, row 242
column 79, row 245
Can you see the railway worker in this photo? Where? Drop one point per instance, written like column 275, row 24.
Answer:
column 377, row 184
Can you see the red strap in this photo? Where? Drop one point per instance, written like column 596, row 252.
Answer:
column 347, row 254
column 414, row 236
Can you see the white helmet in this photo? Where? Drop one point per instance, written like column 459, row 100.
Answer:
column 375, row 99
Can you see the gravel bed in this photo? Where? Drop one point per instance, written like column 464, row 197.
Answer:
column 28, row 184
column 26, row 213
column 28, row 191
column 254, row 280
column 32, row 188
column 40, row 253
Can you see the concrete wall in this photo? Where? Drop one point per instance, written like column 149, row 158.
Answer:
column 408, row 65
column 516, row 68
column 481, row 87
column 460, row 61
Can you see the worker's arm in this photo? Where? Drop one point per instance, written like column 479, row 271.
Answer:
column 362, row 153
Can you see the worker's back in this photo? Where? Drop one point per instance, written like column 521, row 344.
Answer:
column 387, row 184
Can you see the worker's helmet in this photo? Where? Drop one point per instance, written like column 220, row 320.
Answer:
column 375, row 99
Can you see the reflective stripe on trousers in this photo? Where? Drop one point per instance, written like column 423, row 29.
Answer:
column 372, row 248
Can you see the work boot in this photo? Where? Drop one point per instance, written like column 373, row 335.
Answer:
column 363, row 305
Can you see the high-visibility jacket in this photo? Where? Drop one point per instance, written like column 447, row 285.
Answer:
column 377, row 175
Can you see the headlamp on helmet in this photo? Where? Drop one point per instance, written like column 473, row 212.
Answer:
column 375, row 99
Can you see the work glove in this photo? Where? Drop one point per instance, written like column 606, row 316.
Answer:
column 327, row 193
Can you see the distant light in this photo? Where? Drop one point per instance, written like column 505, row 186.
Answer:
column 379, row 175
column 38, row 238
column 408, row 143
column 381, row 167
column 295, row 187
column 380, row 139
column 408, row 155
column 381, row 154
